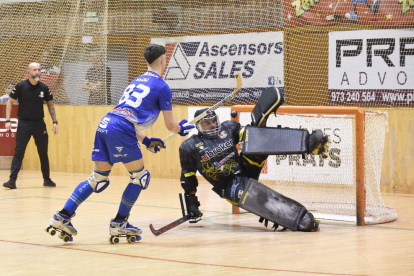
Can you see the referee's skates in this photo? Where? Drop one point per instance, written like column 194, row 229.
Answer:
column 61, row 223
column 122, row 228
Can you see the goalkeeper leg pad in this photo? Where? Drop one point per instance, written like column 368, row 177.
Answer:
column 272, row 206
column 274, row 141
column 269, row 102
column 281, row 141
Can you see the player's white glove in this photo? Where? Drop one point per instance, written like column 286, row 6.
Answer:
column 185, row 128
column 153, row 144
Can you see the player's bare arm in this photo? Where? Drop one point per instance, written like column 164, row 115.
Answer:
column 9, row 108
column 182, row 128
column 140, row 136
column 52, row 112
column 170, row 122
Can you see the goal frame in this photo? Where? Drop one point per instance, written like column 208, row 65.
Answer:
column 359, row 140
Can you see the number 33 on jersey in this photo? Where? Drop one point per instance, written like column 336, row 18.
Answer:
column 143, row 100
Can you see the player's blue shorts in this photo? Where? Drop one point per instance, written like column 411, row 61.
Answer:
column 116, row 141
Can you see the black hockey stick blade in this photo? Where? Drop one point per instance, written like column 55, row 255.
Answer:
column 169, row 226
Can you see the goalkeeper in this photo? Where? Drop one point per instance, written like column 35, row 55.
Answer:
column 116, row 140
column 234, row 176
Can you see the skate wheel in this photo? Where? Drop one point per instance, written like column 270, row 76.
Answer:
column 51, row 231
column 139, row 238
column 114, row 240
column 66, row 238
column 131, row 239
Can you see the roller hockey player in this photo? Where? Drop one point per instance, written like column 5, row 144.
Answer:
column 116, row 140
column 234, row 176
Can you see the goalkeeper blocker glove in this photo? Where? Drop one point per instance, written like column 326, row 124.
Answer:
column 153, row 144
column 185, row 128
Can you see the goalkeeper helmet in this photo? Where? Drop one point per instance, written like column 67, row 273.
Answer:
column 209, row 126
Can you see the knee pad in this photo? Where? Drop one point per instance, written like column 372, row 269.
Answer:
column 141, row 178
column 98, row 181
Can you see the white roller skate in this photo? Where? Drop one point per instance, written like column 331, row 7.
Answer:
column 122, row 228
column 61, row 223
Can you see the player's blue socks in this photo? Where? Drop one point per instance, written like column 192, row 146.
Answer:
column 129, row 198
column 80, row 194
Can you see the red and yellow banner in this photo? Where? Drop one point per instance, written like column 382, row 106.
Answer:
column 364, row 12
column 8, row 139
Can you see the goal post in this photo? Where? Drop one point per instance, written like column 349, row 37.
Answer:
column 345, row 186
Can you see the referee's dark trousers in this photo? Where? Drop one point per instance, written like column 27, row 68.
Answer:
column 25, row 130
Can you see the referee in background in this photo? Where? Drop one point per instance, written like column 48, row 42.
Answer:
column 31, row 94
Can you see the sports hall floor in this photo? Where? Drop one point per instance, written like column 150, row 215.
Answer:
column 222, row 244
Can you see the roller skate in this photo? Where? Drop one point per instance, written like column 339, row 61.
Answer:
column 61, row 223
column 122, row 228
column 308, row 223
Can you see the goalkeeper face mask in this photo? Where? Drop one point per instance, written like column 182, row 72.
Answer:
column 209, row 126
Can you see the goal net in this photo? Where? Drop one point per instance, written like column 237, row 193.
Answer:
column 344, row 186
column 317, row 53
column 288, row 44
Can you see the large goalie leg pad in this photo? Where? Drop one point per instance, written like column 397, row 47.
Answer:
column 275, row 141
column 281, row 141
column 271, row 205
column 269, row 102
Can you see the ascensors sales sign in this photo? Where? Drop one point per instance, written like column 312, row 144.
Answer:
column 372, row 67
column 202, row 68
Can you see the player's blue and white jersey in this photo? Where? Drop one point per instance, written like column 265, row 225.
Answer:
column 143, row 100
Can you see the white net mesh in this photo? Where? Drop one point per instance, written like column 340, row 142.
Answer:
column 328, row 186
column 95, row 48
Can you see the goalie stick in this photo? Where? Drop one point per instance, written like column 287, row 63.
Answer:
column 169, row 226
column 186, row 216
column 214, row 107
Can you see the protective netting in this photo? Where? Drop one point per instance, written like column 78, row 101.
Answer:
column 91, row 49
column 328, row 186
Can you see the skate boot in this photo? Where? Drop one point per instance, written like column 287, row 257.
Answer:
column 319, row 143
column 122, row 228
column 61, row 223
column 308, row 223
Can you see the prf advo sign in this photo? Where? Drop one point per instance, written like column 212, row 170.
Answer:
column 202, row 68
column 372, row 67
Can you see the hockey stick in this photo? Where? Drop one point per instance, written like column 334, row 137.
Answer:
column 169, row 226
column 214, row 107
column 332, row 16
column 186, row 216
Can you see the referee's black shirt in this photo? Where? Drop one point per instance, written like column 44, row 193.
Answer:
column 31, row 99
